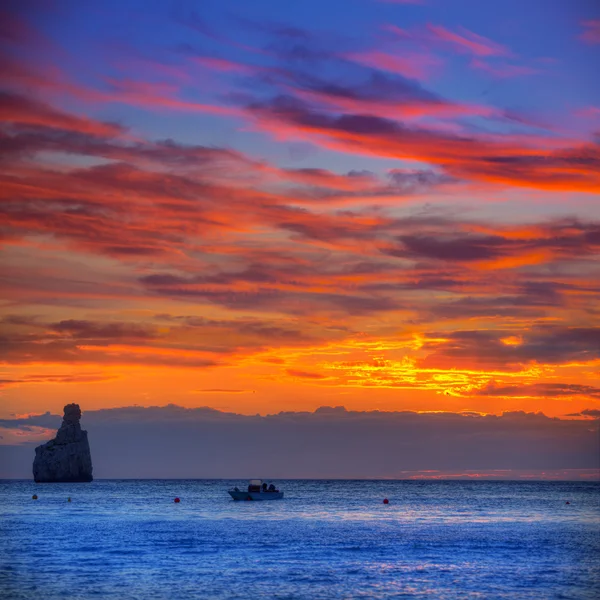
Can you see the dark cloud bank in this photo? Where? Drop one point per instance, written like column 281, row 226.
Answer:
column 174, row 442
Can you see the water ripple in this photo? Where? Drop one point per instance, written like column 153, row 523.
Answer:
column 451, row 540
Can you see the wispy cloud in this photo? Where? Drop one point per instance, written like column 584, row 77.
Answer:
column 403, row 1
column 591, row 33
column 467, row 41
column 222, row 391
column 503, row 70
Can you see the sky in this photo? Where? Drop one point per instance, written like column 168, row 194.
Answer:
column 256, row 207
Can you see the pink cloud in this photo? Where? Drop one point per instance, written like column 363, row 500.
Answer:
column 415, row 66
column 159, row 97
column 588, row 112
column 503, row 71
column 406, row 109
column 151, row 95
column 221, row 64
column 467, row 41
column 15, row 108
column 591, row 35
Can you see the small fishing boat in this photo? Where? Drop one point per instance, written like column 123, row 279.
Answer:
column 257, row 490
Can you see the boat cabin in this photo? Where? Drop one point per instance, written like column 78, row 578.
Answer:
column 257, row 490
column 255, row 485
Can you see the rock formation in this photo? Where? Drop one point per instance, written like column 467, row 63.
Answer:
column 67, row 457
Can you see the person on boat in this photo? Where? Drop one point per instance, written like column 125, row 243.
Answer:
column 264, row 487
column 272, row 487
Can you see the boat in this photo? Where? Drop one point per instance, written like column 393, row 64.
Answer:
column 257, row 490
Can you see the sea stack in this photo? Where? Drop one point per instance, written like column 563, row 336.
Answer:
column 67, row 457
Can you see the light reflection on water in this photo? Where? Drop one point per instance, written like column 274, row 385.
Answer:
column 127, row 539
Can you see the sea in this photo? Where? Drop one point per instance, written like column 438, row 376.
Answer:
column 325, row 539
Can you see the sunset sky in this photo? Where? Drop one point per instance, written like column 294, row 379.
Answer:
column 274, row 206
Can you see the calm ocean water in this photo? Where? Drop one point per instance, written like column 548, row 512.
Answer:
column 326, row 539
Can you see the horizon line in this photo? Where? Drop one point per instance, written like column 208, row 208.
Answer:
column 410, row 479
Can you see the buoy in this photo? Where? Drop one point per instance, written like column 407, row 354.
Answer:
column 386, row 501
column 69, row 499
column 34, row 497
column 567, row 502
column 177, row 500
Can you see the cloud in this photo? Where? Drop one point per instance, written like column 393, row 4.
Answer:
column 536, row 390
column 465, row 249
column 544, row 344
column 370, row 93
column 45, row 420
column 18, row 109
column 270, row 299
column 467, row 41
column 165, row 340
column 591, row 33
column 548, row 242
column 587, row 412
column 409, row 65
column 79, row 342
column 503, row 70
column 357, row 444
column 403, row 1
column 462, row 156
column 90, row 330
column 305, row 374
column 15, row 29
column 374, row 93
column 60, row 379
column 490, row 306
column 222, row 391
column 385, row 243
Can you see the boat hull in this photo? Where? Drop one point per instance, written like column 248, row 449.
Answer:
column 256, row 495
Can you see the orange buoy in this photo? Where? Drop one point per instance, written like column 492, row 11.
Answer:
column 34, row 497
column 177, row 500
column 386, row 501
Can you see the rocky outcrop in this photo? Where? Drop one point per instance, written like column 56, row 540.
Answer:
column 67, row 457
